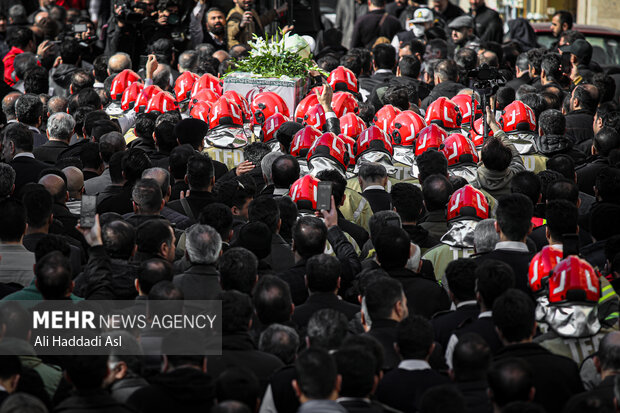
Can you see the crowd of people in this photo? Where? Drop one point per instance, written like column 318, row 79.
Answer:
column 467, row 261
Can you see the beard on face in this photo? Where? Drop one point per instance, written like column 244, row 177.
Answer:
column 217, row 29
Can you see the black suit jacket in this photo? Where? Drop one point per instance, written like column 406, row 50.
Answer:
column 603, row 392
column 357, row 232
column 49, row 151
column 379, row 199
column 196, row 200
column 556, row 378
column 445, row 323
column 425, row 296
column 519, row 261
column 26, row 170
column 485, row 328
column 294, row 277
column 370, row 83
column 517, row 82
column 403, row 389
column 384, row 331
column 319, row 301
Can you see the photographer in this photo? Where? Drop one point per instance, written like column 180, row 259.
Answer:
column 243, row 21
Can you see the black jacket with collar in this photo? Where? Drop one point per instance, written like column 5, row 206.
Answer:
column 319, row 301
column 447, row 89
column 421, row 237
column 196, row 200
column 385, row 331
column 93, row 401
column 518, row 81
column 603, row 392
column 551, row 145
column 476, row 396
column 120, row 203
column 425, row 296
column 357, row 232
column 379, row 199
column 294, row 277
column 579, row 126
column 587, row 173
column 435, row 223
column 381, row 78
column 556, row 378
column 445, row 323
column 484, row 327
column 488, row 24
column 49, row 151
column 519, row 261
column 282, row 257
column 199, row 282
column 26, row 170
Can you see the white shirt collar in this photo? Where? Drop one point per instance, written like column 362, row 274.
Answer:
column 412, row 365
column 375, row 187
column 485, row 314
column 24, row 155
column 512, row 246
column 383, row 71
column 280, row 191
column 464, row 303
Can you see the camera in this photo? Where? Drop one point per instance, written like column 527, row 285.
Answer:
column 485, row 80
column 127, row 14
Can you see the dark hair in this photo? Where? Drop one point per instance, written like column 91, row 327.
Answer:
column 53, row 274
column 238, row 268
column 586, row 100
column 562, row 218
column 442, row 399
column 514, row 215
column 353, row 63
column 536, row 102
column 495, row 155
column 552, row 122
column 265, row 209
column 119, row 239
column 510, row 380
column 23, row 63
column 87, row 372
column 36, row 81
column 528, row 184
column 399, row 97
column 471, row 358
column 87, row 96
column 605, row 85
column 328, row 62
column 437, row 190
column 309, row 236
column 466, row 59
column 393, row 246
column 461, row 278
column 38, row 204
column 493, row 278
column 103, row 127
column 563, row 189
column 608, row 185
column 153, row 271
column 514, row 315
column 409, row 66
column 384, row 56
column 219, row 217
column 28, row 109
column 134, row 164
column 19, row 37
column 288, row 215
column 145, row 126
column 381, row 296
column 339, row 184
column 12, row 220
column 415, row 337
column 91, row 118
column 430, row 163
column 272, row 300
column 80, row 80
column 327, row 329
column 236, row 311
column 322, row 273
column 49, row 243
column 164, row 133
column 178, row 160
column 606, row 140
column 285, row 171
column 609, row 352
column 565, row 17
column 234, row 193
column 151, row 234
column 356, row 366
column 505, row 96
column 439, row 45
column 316, row 373
column 16, row 321
column 240, row 384
column 447, row 70
column 408, row 201
column 199, row 171
column 551, row 64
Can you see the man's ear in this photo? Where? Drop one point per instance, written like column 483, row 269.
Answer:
column 136, row 285
column 497, row 229
column 296, row 388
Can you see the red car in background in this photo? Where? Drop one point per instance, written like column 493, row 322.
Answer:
column 604, row 40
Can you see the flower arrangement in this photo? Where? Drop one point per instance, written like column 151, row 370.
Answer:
column 285, row 55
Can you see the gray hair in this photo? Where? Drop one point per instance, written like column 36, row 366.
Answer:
column 485, row 236
column 60, row 126
column 7, row 179
column 281, row 341
column 202, row 244
column 146, row 194
column 372, row 172
column 159, row 175
column 22, row 403
column 267, row 163
column 188, row 60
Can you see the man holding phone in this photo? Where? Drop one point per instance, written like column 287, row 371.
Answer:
column 243, row 21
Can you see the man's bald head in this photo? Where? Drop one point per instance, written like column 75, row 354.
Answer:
column 118, row 62
column 8, row 105
column 75, row 181
column 56, row 104
column 56, row 186
column 161, row 176
column 221, row 55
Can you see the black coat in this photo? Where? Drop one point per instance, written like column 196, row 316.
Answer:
column 447, row 89
column 539, row 237
column 519, row 261
column 379, row 199
column 518, row 81
column 94, row 401
column 603, row 392
column 120, row 203
column 445, row 323
column 377, row 79
column 294, row 277
column 196, row 200
column 385, row 333
column 485, row 328
column 586, row 174
column 49, row 151
column 181, row 390
column 556, row 378
column 199, row 282
column 579, row 126
column 551, row 145
column 358, row 405
column 421, row 237
column 238, row 350
column 476, row 396
column 425, row 296
column 357, row 232
column 488, row 24
column 26, row 170
column 319, row 301
column 282, row 257
column 403, row 389
column 369, row 27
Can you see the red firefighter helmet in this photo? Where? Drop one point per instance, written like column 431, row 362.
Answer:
column 541, row 266
column 343, row 103
column 332, row 147
column 207, row 81
column 373, row 139
column 342, row 79
column 465, row 108
column 350, row 144
column 225, row 112
column 458, row 149
column 351, row 125
column 407, row 125
column 271, row 125
column 518, row 116
column 145, row 96
column 443, row 112
column 130, row 95
column 315, row 117
column 468, row 202
column 573, row 280
column 266, row 104
column 242, row 102
column 204, row 95
column 303, row 192
column 162, row 102
column 122, row 82
column 429, row 137
column 183, row 85
column 384, row 118
column 201, row 111
column 302, row 141
column 476, row 134
column 303, row 106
